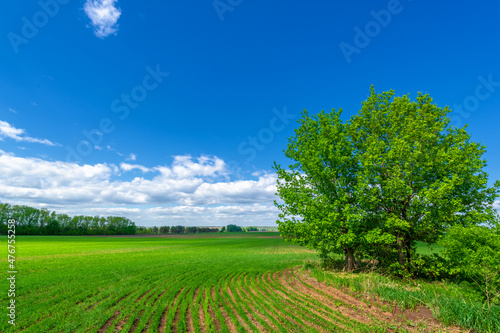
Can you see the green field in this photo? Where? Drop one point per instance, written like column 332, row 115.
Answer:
column 198, row 283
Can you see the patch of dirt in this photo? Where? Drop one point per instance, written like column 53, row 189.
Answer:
column 407, row 320
column 251, row 316
column 120, row 324
column 227, row 318
column 255, row 311
column 108, row 322
column 142, row 296
column 163, row 320
column 288, row 305
column 148, row 325
column 189, row 315
column 266, row 279
column 136, row 321
column 201, row 313
column 212, row 313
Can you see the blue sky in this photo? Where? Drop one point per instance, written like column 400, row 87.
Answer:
column 186, row 104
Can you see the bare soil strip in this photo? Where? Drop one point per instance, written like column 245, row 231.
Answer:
column 266, row 278
column 281, row 314
column 255, row 311
column 177, row 317
column 136, row 321
column 189, row 316
column 120, row 324
column 326, row 290
column 399, row 320
column 153, row 306
column 310, row 292
column 163, row 320
column 142, row 296
column 201, row 313
column 234, row 312
column 250, row 316
column 212, row 312
column 398, row 317
column 108, row 322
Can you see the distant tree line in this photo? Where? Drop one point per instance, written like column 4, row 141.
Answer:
column 33, row 221
column 235, row 228
column 178, row 229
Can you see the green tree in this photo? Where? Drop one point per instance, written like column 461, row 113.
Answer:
column 396, row 173
column 233, row 228
column 474, row 256
column 319, row 208
column 164, row 229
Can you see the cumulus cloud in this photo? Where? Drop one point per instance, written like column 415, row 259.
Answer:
column 103, row 15
column 190, row 191
column 9, row 131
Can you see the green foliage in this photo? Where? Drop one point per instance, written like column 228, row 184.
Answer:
column 164, row 230
column 33, row 221
column 474, row 256
column 178, row 229
column 394, row 174
column 233, row 228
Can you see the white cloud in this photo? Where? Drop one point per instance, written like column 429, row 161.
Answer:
column 9, row 131
column 131, row 157
column 190, row 191
column 12, row 110
column 129, row 167
column 103, row 15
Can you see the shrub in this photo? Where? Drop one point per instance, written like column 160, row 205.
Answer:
column 474, row 256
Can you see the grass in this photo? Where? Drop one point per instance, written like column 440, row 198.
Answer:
column 446, row 300
column 241, row 282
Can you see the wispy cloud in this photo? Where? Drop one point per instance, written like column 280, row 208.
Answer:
column 109, row 148
column 12, row 110
column 103, row 15
column 131, row 157
column 9, row 131
column 128, row 167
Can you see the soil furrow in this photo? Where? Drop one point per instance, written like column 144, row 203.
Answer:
column 339, row 295
column 212, row 312
column 281, row 314
column 136, row 321
column 163, row 320
column 254, row 321
column 108, row 322
column 234, row 312
column 257, row 312
column 309, row 292
column 305, row 304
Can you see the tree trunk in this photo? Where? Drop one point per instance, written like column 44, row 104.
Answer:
column 408, row 252
column 401, row 255
column 350, row 262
